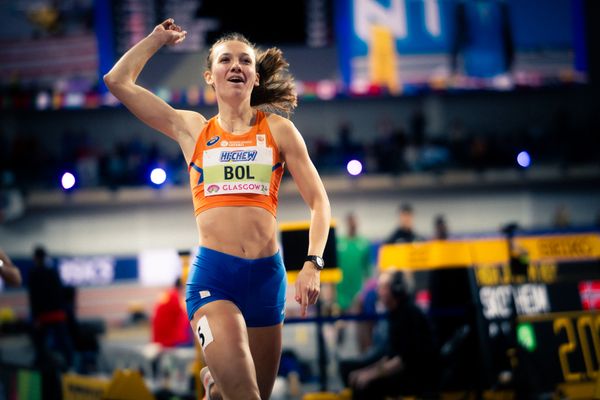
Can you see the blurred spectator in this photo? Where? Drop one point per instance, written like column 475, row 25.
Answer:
column 115, row 166
column 434, row 156
column 399, row 142
column 324, row 153
column 347, row 148
column 418, row 124
column 170, row 325
column 136, row 160
column 366, row 305
column 561, row 218
column 412, row 155
column 49, row 313
column 86, row 161
column 9, row 273
column 409, row 360
column 354, row 259
column 458, row 142
column 85, row 335
column 479, row 153
column 405, row 232
column 371, row 331
column 389, row 147
column 440, row 228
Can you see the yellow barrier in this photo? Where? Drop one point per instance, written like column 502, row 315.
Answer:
column 79, row 387
column 561, row 247
column 450, row 254
column 128, row 385
column 575, row 391
column 124, row 385
column 321, row 396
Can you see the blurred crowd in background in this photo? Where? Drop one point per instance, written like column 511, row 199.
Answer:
column 391, row 148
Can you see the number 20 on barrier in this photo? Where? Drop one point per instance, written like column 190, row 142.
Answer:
column 586, row 327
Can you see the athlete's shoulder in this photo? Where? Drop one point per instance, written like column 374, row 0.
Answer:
column 279, row 123
column 194, row 122
column 193, row 116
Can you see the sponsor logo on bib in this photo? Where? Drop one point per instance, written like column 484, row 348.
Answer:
column 238, row 156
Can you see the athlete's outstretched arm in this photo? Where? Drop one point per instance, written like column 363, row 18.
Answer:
column 294, row 152
column 151, row 109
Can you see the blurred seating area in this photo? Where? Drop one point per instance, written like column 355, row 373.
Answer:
column 391, row 147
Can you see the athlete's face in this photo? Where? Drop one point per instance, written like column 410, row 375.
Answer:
column 233, row 69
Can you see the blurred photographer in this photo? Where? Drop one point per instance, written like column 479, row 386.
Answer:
column 409, row 361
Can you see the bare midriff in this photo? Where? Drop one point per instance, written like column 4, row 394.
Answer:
column 247, row 232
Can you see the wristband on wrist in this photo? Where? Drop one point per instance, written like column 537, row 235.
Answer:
column 318, row 262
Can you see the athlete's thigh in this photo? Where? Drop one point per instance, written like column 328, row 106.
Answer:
column 265, row 346
column 220, row 328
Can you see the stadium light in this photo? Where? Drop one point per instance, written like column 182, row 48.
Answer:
column 354, row 167
column 68, row 181
column 158, row 176
column 523, row 159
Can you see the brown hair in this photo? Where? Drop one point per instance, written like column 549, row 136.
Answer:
column 276, row 91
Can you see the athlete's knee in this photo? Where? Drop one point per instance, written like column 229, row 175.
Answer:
column 233, row 370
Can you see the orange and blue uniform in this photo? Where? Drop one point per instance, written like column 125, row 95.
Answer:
column 237, row 170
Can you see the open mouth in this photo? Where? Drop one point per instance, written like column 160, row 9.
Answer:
column 236, row 79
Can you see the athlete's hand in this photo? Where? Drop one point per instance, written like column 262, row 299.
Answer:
column 308, row 286
column 169, row 33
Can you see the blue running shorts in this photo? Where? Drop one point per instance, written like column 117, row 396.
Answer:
column 257, row 287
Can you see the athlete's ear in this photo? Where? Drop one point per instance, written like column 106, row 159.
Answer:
column 257, row 81
column 208, row 77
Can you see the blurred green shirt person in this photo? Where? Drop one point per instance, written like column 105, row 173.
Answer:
column 354, row 259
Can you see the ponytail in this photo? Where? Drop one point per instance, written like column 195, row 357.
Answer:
column 276, row 90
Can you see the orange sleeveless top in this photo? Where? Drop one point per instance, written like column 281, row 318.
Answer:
column 236, row 170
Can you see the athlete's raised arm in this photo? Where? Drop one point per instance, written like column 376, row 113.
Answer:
column 149, row 108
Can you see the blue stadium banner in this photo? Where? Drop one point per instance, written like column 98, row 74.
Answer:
column 373, row 35
column 402, row 45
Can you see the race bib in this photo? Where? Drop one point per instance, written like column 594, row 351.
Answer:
column 236, row 170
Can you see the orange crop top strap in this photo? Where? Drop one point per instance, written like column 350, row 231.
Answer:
column 236, row 169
